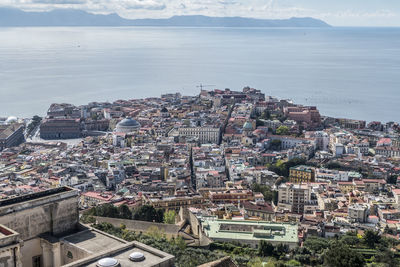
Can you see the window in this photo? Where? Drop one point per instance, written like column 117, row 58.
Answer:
column 37, row 261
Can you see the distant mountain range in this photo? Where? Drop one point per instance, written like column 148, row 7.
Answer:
column 11, row 17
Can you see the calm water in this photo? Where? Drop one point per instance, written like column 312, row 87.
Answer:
column 346, row 72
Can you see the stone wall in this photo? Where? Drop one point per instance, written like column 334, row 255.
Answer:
column 30, row 249
column 170, row 230
column 30, row 216
column 190, row 218
column 71, row 253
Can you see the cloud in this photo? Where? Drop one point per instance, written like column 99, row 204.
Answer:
column 228, row 2
column 59, row 2
column 272, row 9
column 141, row 4
column 383, row 13
column 105, row 6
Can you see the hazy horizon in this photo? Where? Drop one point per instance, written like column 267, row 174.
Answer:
column 354, row 13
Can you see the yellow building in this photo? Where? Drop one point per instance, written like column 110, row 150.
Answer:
column 302, row 174
column 346, row 187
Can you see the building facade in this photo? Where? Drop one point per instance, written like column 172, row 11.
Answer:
column 250, row 232
column 205, row 135
column 11, row 135
column 293, row 197
column 302, row 174
column 60, row 129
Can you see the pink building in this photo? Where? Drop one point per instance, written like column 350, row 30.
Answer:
column 309, row 117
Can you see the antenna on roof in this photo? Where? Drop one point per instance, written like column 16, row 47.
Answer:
column 201, row 86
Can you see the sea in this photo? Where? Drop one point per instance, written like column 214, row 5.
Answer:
column 346, row 72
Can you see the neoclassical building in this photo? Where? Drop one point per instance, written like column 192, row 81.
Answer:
column 127, row 125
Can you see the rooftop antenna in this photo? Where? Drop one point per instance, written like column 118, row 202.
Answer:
column 201, row 86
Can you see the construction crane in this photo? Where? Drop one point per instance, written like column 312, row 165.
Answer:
column 201, row 86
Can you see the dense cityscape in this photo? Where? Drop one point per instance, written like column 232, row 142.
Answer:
column 223, row 178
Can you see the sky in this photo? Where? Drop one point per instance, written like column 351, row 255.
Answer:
column 334, row 12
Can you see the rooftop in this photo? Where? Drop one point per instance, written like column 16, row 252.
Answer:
column 38, row 195
column 250, row 230
column 98, row 245
column 93, row 241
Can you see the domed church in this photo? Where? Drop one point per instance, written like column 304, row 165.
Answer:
column 127, row 125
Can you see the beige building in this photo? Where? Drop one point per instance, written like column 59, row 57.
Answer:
column 358, row 213
column 293, row 197
column 302, row 174
column 205, row 135
column 43, row 230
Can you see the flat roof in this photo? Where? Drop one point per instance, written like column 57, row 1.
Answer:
column 93, row 241
column 123, row 258
column 251, row 230
column 33, row 196
column 101, row 245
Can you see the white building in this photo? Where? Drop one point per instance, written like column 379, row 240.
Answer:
column 293, row 197
column 321, row 139
column 334, row 175
column 205, row 135
column 358, row 213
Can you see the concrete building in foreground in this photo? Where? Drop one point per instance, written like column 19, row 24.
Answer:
column 43, row 230
column 250, row 232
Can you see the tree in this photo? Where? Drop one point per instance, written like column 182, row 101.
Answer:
column 266, row 115
column 36, row 118
column 155, row 232
column 316, row 244
column 334, row 165
column 267, row 192
column 371, row 238
column 282, row 168
column 88, row 219
column 169, row 217
column 276, row 144
column 124, row 212
column 281, row 249
column 265, row 249
column 148, row 213
column 293, row 263
column 255, row 262
column 351, row 240
column 387, row 257
column 107, row 210
column 392, row 179
column 282, row 130
column 179, row 242
column 339, row 255
column 281, row 118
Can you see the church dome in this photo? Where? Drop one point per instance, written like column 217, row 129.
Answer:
column 128, row 122
column 11, row 119
column 127, row 125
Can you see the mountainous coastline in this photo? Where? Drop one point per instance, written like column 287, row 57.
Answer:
column 11, row 17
